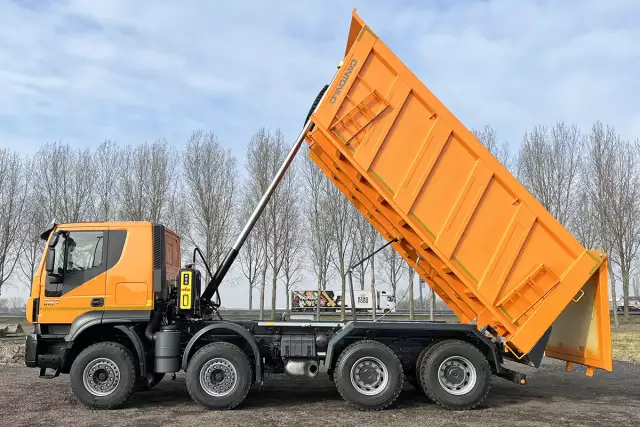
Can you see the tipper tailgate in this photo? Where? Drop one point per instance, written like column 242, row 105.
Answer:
column 489, row 249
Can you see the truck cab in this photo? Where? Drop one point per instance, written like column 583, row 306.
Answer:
column 97, row 281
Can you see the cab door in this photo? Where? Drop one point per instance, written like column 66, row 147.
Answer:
column 77, row 283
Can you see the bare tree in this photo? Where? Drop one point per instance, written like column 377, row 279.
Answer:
column 17, row 304
column 549, row 165
column 146, row 180
column 293, row 241
column 432, row 304
column 342, row 216
column 374, row 238
column 277, row 213
column 211, row 179
column 410, row 291
column 489, row 138
column 259, row 175
column 252, row 253
column 13, row 191
column 393, row 268
column 602, row 145
column 318, row 224
column 34, row 222
column 623, row 220
column 178, row 217
column 265, row 154
column 107, row 164
column 361, row 247
column 584, row 224
column 64, row 182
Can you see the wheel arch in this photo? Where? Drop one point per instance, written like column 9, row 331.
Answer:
column 98, row 332
column 229, row 327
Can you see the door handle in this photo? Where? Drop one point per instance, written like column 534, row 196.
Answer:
column 97, row 302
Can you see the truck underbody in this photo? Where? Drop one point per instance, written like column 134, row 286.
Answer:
column 297, row 348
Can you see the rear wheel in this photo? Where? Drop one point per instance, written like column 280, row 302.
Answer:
column 368, row 375
column 455, row 375
column 418, row 367
column 103, row 375
column 219, row 376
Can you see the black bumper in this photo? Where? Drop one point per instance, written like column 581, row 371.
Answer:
column 45, row 353
column 31, row 351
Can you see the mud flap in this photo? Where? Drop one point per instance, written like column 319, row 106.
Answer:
column 537, row 352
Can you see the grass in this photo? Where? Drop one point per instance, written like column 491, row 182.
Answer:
column 625, row 339
column 20, row 320
column 625, row 345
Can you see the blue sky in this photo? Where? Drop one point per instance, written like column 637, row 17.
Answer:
column 130, row 71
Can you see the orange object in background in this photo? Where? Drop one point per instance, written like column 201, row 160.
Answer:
column 489, row 249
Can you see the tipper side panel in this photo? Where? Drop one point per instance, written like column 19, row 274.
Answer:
column 477, row 236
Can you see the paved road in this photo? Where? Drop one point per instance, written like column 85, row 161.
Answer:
column 552, row 397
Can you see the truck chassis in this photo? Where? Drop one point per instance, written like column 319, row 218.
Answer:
column 367, row 361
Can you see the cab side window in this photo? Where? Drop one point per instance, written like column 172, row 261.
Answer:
column 84, row 250
column 79, row 257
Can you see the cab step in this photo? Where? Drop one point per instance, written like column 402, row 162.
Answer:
column 43, row 373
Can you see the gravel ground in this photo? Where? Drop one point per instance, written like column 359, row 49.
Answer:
column 552, row 397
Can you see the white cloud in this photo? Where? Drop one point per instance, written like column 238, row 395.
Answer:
column 132, row 71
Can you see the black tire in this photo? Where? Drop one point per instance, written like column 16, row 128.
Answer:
column 231, row 354
column 418, row 367
column 469, row 361
column 315, row 103
column 114, row 357
column 146, row 384
column 353, row 355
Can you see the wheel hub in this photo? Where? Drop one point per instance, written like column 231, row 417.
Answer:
column 454, row 374
column 101, row 377
column 457, row 375
column 218, row 377
column 369, row 376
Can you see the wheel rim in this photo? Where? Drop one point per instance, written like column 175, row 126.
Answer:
column 369, row 376
column 457, row 375
column 218, row 377
column 101, row 377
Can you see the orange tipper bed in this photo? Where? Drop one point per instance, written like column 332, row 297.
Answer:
column 489, row 249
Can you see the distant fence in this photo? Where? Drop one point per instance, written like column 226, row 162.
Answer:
column 243, row 314
column 13, row 313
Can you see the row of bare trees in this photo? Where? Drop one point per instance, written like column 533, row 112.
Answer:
column 309, row 233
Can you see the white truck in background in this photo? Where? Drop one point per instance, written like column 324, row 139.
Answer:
column 330, row 300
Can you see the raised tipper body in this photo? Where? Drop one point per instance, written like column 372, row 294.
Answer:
column 489, row 249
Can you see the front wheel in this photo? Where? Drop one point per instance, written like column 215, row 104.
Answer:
column 368, row 375
column 103, row 375
column 219, row 376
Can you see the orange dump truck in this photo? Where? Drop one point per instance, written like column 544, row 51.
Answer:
column 112, row 308
column 489, row 249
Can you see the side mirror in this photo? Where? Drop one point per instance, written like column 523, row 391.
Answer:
column 51, row 258
column 54, row 240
